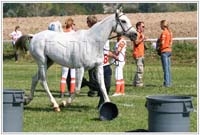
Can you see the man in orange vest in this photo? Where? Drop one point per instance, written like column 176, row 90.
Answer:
column 138, row 54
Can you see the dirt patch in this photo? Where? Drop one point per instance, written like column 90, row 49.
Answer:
column 182, row 24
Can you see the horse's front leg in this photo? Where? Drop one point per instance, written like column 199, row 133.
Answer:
column 42, row 71
column 79, row 77
column 100, row 79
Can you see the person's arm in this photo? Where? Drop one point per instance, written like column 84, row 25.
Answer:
column 138, row 40
column 111, row 54
column 120, row 47
column 171, row 41
column 162, row 39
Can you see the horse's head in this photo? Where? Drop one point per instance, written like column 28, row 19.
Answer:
column 123, row 25
column 55, row 26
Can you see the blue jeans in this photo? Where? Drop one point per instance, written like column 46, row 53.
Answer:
column 166, row 64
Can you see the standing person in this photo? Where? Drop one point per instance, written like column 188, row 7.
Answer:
column 14, row 36
column 70, row 29
column 120, row 50
column 91, row 20
column 138, row 54
column 165, row 48
column 93, row 85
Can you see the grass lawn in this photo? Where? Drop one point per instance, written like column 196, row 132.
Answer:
column 82, row 115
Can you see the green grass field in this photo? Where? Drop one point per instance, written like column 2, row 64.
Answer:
column 82, row 115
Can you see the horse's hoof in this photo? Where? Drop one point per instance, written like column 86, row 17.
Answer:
column 26, row 100
column 78, row 92
column 57, row 109
column 63, row 104
column 69, row 101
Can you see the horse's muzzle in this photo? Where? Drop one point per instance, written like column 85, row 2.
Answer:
column 133, row 36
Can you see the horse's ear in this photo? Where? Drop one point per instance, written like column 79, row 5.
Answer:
column 120, row 9
column 117, row 13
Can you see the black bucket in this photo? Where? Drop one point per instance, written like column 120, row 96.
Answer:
column 13, row 106
column 169, row 113
column 108, row 111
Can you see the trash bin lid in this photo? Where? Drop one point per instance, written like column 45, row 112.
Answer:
column 13, row 96
column 168, row 98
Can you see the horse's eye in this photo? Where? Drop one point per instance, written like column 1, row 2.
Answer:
column 123, row 21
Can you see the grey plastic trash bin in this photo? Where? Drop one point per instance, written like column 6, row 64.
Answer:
column 169, row 113
column 13, row 101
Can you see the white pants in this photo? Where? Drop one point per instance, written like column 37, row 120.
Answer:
column 65, row 72
column 119, row 71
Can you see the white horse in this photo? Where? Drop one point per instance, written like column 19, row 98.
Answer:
column 81, row 50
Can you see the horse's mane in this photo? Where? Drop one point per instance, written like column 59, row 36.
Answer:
column 102, row 21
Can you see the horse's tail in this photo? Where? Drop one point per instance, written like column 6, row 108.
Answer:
column 23, row 42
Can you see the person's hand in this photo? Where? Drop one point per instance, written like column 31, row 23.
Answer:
column 115, row 57
column 145, row 38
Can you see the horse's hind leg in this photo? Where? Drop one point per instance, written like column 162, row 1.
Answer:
column 35, row 79
column 33, row 85
column 42, row 70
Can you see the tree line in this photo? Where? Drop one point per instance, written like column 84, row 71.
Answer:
column 63, row 9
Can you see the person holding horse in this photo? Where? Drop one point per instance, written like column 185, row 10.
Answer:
column 93, row 84
column 91, row 20
column 71, row 78
column 138, row 54
column 120, row 50
column 16, row 34
column 165, row 51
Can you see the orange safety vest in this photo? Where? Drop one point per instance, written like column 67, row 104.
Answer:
column 166, row 38
column 138, row 50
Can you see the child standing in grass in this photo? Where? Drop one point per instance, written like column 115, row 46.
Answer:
column 120, row 50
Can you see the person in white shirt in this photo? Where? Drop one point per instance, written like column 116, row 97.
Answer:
column 16, row 34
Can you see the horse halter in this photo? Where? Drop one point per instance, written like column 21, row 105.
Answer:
column 120, row 23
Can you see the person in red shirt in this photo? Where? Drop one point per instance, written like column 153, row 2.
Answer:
column 165, row 48
column 138, row 54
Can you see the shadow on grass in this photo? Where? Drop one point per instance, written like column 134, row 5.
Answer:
column 73, row 108
column 77, row 108
column 138, row 130
column 8, row 56
column 96, row 119
column 146, row 85
column 38, row 109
